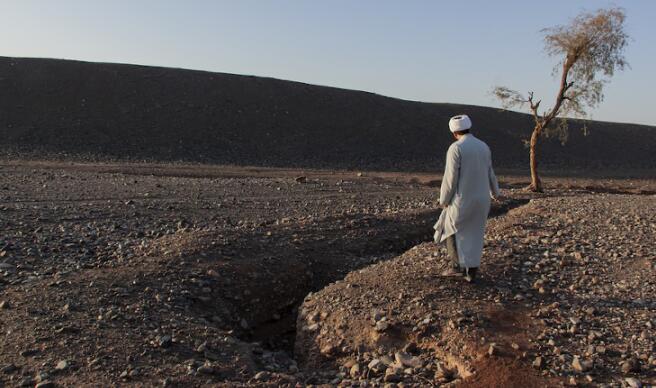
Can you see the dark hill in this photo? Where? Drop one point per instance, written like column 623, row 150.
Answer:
column 79, row 110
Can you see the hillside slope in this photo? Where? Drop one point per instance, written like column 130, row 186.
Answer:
column 69, row 109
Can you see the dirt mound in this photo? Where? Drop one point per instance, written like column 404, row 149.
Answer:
column 98, row 111
column 565, row 297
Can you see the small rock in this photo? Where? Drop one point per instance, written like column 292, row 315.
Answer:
column 386, row 360
column 633, row 382
column 202, row 347
column 41, row 376
column 355, row 371
column 391, row 375
column 327, row 349
column 630, row 366
column 382, row 326
column 377, row 315
column 45, row 384
column 581, row 365
column 537, row 362
column 9, row 368
column 26, row 382
column 405, row 359
column 62, row 365
column 164, row 341
column 28, row 352
column 312, row 327
column 261, row 376
column 206, row 369
column 376, row 365
column 6, row 266
column 492, row 350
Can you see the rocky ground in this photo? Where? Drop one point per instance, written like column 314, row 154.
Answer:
column 191, row 275
column 566, row 296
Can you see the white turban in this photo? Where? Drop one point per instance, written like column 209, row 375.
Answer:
column 459, row 123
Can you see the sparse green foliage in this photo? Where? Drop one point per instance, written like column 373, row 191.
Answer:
column 590, row 50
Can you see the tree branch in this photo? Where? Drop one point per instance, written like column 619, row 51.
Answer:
column 564, row 86
column 534, row 107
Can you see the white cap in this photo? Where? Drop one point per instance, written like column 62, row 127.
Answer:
column 459, row 123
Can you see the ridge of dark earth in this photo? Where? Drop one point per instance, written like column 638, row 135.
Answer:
column 72, row 110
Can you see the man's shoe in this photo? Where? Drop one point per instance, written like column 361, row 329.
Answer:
column 470, row 275
column 451, row 271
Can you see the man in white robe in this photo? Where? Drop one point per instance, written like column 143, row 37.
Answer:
column 468, row 186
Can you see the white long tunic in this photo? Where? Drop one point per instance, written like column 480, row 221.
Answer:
column 467, row 185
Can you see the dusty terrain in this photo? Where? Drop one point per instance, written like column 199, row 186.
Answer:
column 566, row 296
column 195, row 275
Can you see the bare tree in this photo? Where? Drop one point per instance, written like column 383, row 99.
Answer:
column 590, row 49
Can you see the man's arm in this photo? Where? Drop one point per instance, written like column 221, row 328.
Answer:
column 451, row 175
column 494, row 184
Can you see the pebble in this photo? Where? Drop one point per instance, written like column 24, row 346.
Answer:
column 537, row 362
column 354, row 372
column 27, row 382
column 382, row 326
column 9, row 368
column 630, row 365
column 41, row 376
column 633, row 382
column 391, row 375
column 6, row 267
column 29, row 352
column 261, row 376
column 164, row 341
column 206, row 369
column 62, row 365
column 376, row 365
column 407, row 360
column 492, row 349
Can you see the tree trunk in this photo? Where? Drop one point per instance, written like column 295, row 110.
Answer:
column 536, row 183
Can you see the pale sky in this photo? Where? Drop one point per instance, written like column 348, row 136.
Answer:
column 434, row 51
